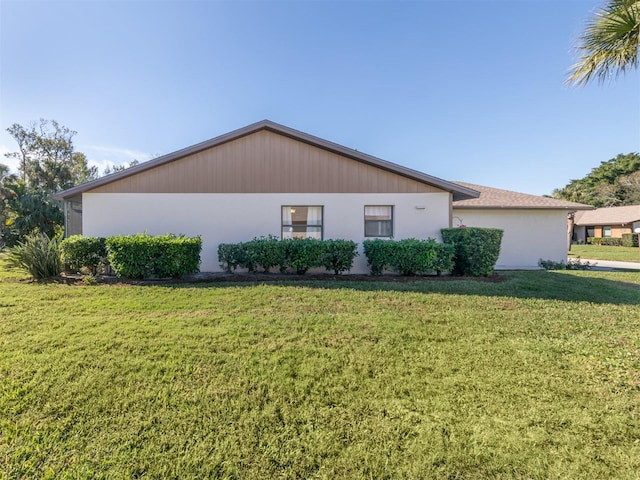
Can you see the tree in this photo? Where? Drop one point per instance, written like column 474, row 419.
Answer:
column 46, row 156
column 609, row 46
column 118, row 168
column 615, row 182
column 47, row 163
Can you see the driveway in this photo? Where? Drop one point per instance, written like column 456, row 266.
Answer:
column 611, row 265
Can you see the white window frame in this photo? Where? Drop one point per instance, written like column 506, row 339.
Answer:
column 390, row 222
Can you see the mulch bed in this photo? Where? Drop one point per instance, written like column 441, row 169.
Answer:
column 216, row 278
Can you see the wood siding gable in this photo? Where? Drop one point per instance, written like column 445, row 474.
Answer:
column 265, row 162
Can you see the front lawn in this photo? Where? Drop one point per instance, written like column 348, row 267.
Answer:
column 532, row 377
column 605, row 252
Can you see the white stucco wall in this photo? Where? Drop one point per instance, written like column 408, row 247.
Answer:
column 225, row 218
column 529, row 235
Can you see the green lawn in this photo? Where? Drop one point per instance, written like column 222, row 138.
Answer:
column 605, row 252
column 533, row 377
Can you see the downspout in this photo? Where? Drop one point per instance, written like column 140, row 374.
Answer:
column 570, row 224
column 66, row 215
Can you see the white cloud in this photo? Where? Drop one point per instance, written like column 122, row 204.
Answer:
column 103, row 157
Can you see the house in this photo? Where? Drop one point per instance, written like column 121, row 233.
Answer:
column 534, row 227
column 606, row 222
column 268, row 179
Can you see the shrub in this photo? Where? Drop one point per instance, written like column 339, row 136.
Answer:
column 630, row 239
column 572, row 264
column 230, row 256
column 379, row 254
column 476, row 249
column 301, row 254
column 409, row 256
column 443, row 258
column 144, row 256
column 80, row 252
column 38, row 255
column 338, row 255
column 610, row 241
column 264, row 252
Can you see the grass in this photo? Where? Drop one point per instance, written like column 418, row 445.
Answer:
column 533, row 377
column 605, row 252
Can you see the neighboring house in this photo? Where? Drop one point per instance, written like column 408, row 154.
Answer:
column 606, row 222
column 534, row 227
column 268, row 179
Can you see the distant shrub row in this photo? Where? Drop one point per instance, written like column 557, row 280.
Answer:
column 630, row 239
column 266, row 253
column 134, row 256
column 615, row 242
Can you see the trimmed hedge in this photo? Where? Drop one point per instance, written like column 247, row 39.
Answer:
column 144, row 256
column 338, row 255
column 614, row 242
column 80, row 252
column 476, row 249
column 265, row 253
column 630, row 239
column 409, row 256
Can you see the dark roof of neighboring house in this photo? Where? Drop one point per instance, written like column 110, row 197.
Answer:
column 457, row 190
column 609, row 216
column 495, row 198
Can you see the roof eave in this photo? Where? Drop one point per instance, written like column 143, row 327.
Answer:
column 520, row 207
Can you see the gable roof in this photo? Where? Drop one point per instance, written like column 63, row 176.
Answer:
column 609, row 216
column 495, row 198
column 458, row 191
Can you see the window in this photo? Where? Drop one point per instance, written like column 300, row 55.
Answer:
column 378, row 221
column 606, row 231
column 301, row 222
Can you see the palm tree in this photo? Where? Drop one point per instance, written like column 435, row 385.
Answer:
column 609, row 45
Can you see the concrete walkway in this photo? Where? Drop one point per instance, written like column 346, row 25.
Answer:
column 611, row 265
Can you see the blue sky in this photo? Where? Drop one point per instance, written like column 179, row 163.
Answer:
column 462, row 90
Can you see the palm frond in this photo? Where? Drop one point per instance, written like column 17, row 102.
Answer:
column 609, row 45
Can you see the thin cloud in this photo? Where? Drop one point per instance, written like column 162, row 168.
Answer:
column 105, row 157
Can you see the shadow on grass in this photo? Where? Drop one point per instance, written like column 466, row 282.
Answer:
column 584, row 286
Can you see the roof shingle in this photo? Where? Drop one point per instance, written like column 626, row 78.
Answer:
column 495, row 198
column 609, row 216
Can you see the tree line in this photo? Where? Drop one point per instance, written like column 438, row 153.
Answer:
column 613, row 183
column 47, row 163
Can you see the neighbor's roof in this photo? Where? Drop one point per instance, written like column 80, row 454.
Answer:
column 609, row 216
column 458, row 191
column 495, row 198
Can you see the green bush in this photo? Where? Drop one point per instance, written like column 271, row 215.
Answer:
column 572, row 264
column 80, row 252
column 443, row 260
column 379, row 254
column 630, row 239
column 610, row 241
column 301, row 254
column 409, row 256
column 264, row 253
column 338, row 255
column 476, row 249
column 38, row 255
column 145, row 256
column 231, row 256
